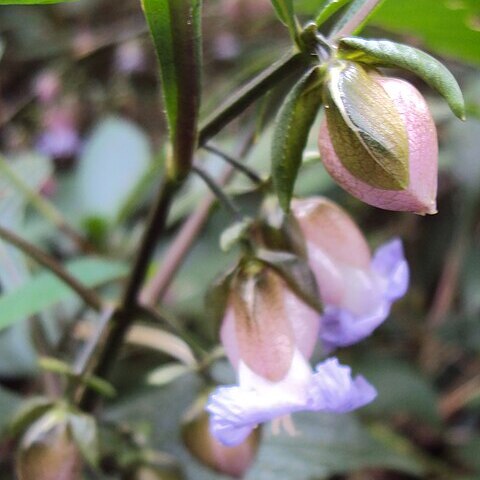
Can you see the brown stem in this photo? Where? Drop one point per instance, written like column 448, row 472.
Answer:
column 86, row 294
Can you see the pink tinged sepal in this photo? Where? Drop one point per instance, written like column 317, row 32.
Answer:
column 264, row 323
column 235, row 411
column 420, row 194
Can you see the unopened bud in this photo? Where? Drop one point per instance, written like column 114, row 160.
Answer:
column 233, row 461
column 379, row 140
column 48, row 451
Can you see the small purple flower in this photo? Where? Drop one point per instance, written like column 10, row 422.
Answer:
column 60, row 138
column 342, row 327
column 357, row 290
column 236, row 410
column 59, row 142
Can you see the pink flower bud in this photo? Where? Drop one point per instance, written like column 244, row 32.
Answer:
column 356, row 290
column 200, row 442
column 420, row 194
column 49, row 455
column 265, row 323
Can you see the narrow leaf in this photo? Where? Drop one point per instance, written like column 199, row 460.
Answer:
column 291, row 133
column 390, row 54
column 366, row 129
column 28, row 412
column 46, row 290
column 354, row 18
column 329, row 8
column 175, row 29
column 285, row 13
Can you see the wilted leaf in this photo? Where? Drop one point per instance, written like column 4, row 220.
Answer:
column 390, row 54
column 291, row 133
column 367, row 132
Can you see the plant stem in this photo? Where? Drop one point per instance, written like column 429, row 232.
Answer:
column 87, row 295
column 111, row 341
column 44, row 207
column 241, row 167
column 253, row 90
column 155, row 226
column 216, row 189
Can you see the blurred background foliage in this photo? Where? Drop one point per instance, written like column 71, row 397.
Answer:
column 82, row 143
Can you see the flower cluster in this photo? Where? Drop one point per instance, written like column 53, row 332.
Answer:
column 269, row 334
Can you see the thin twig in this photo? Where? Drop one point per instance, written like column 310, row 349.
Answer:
column 45, row 208
column 241, row 167
column 87, row 295
column 216, row 189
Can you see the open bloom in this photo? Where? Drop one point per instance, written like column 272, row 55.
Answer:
column 380, row 105
column 357, row 290
column 269, row 335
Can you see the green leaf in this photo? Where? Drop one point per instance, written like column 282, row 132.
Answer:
column 367, row 132
column 390, row 54
column 324, row 446
column 29, row 412
column 355, row 17
column 286, row 14
column 85, row 434
column 116, row 156
column 296, row 273
column 291, row 133
column 329, row 8
column 45, row 290
column 167, row 373
column 175, row 29
column 234, row 234
column 446, row 27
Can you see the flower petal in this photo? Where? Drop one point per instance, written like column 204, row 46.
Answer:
column 390, row 264
column 334, row 390
column 340, row 327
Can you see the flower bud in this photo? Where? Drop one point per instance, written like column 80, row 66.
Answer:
column 379, row 140
column 265, row 323
column 48, row 451
column 233, row 461
column 356, row 290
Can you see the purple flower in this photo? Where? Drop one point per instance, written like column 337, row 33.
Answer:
column 269, row 335
column 236, row 410
column 357, row 290
column 342, row 327
column 60, row 137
